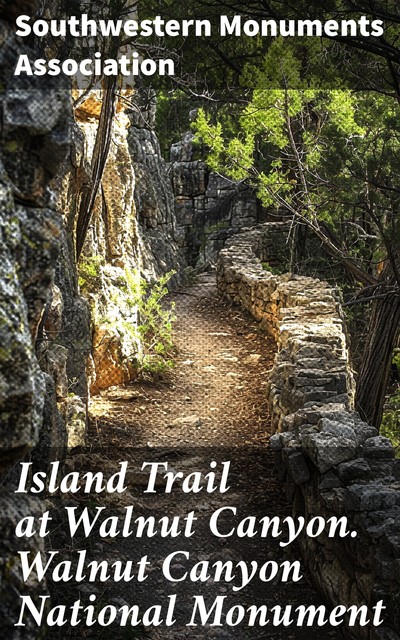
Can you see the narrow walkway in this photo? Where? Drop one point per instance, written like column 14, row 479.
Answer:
column 216, row 393
column 211, row 408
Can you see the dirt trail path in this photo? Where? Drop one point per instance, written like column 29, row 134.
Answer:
column 217, row 392
column 211, row 408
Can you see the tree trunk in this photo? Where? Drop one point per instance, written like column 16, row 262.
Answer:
column 298, row 243
column 383, row 333
column 99, row 160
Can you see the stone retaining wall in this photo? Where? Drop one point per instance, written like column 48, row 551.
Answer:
column 332, row 463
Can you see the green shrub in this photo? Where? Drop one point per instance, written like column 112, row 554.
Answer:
column 152, row 333
column 155, row 322
column 276, row 271
column 390, row 426
column 89, row 271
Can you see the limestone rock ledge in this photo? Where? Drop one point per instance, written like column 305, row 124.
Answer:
column 34, row 376
column 104, row 337
column 209, row 208
column 131, row 235
column 159, row 240
column 12, row 585
column 35, row 139
column 332, row 463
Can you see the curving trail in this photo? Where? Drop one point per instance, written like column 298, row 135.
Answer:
column 211, row 408
column 216, row 393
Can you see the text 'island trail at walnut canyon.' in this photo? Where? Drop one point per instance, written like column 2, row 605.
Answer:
column 237, row 492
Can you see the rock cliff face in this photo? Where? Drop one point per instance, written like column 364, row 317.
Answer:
column 36, row 406
column 51, row 336
column 185, row 213
column 209, row 208
column 160, row 247
column 131, row 235
column 110, row 257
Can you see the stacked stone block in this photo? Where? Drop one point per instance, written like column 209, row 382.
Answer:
column 331, row 462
